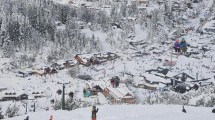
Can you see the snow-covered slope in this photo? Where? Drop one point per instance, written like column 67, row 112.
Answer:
column 128, row 112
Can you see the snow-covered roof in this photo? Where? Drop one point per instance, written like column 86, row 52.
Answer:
column 12, row 93
column 121, row 92
column 154, row 78
column 170, row 74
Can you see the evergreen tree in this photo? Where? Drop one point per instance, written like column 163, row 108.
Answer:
column 12, row 111
column 1, row 116
column 13, row 31
column 8, row 48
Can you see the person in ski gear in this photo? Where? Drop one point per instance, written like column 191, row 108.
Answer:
column 85, row 92
column 177, row 46
column 51, row 117
column 213, row 111
column 71, row 94
column 94, row 112
column 183, row 46
column 183, row 110
column 27, row 118
column 88, row 93
column 113, row 82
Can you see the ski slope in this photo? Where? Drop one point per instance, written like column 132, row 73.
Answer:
column 128, row 112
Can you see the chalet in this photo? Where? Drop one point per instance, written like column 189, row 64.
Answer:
column 144, row 85
column 140, row 54
column 106, row 56
column 182, row 88
column 22, row 74
column 66, row 64
column 138, row 43
column 14, row 95
column 95, row 61
column 163, row 71
column 23, row 97
column 117, row 95
column 121, row 95
column 182, row 77
column 69, row 64
column 153, row 79
column 78, row 58
column 9, row 96
column 55, row 66
column 83, row 59
column 38, row 94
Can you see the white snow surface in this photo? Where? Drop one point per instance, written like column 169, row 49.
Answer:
column 127, row 112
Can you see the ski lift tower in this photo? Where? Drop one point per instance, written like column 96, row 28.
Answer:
column 63, row 96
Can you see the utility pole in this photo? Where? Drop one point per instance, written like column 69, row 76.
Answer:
column 63, row 96
column 34, row 107
column 26, row 108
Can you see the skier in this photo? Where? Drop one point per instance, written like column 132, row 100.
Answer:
column 183, row 110
column 183, row 46
column 88, row 93
column 177, row 46
column 27, row 118
column 94, row 112
column 51, row 117
column 84, row 92
column 213, row 111
column 71, row 94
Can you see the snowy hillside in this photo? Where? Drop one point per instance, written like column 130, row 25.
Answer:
column 127, row 112
column 73, row 54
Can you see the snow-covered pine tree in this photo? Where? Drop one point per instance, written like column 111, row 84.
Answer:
column 12, row 111
column 1, row 115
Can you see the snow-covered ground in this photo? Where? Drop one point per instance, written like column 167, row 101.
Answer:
column 199, row 66
column 127, row 112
